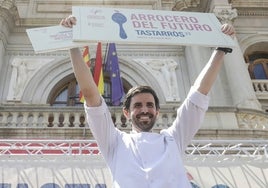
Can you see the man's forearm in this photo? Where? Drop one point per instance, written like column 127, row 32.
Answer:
column 84, row 78
column 208, row 75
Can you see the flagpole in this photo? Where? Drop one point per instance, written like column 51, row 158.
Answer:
column 105, row 57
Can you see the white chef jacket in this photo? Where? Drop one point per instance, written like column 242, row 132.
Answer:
column 148, row 160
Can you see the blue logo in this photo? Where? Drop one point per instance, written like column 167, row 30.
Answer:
column 120, row 19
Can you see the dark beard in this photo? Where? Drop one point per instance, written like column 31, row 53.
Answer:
column 143, row 126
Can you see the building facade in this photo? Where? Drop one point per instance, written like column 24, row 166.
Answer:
column 39, row 93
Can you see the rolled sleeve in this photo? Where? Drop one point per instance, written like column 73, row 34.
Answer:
column 198, row 98
column 95, row 110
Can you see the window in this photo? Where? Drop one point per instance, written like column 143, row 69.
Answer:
column 258, row 65
column 65, row 93
column 258, row 69
column 68, row 93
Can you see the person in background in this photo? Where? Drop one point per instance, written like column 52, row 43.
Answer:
column 143, row 159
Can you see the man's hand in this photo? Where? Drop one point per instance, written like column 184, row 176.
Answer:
column 228, row 29
column 69, row 21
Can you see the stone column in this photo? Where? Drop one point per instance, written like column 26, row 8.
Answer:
column 4, row 32
column 238, row 77
column 196, row 57
column 8, row 17
column 2, row 52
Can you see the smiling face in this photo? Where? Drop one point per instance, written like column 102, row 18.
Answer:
column 142, row 112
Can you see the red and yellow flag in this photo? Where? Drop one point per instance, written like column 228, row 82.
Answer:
column 86, row 58
column 98, row 72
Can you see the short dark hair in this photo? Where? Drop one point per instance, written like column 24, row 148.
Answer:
column 136, row 90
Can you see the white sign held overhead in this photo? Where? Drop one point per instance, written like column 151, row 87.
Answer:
column 53, row 38
column 148, row 27
column 131, row 26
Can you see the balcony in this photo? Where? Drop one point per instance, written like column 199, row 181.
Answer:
column 31, row 122
column 261, row 88
column 45, row 122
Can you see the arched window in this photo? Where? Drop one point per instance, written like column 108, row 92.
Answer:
column 258, row 66
column 260, row 69
column 66, row 92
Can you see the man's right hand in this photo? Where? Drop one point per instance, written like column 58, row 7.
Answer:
column 69, row 21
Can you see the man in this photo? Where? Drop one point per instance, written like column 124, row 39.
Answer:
column 143, row 159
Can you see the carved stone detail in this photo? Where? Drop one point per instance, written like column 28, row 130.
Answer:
column 11, row 7
column 225, row 14
column 252, row 121
column 22, row 72
column 181, row 5
column 253, row 12
column 164, row 71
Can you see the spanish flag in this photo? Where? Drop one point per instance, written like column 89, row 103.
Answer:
column 98, row 72
column 86, row 58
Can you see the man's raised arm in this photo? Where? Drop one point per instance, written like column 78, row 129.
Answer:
column 209, row 73
column 82, row 71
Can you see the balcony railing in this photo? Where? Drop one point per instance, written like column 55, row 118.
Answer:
column 66, row 117
column 20, row 120
column 261, row 88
